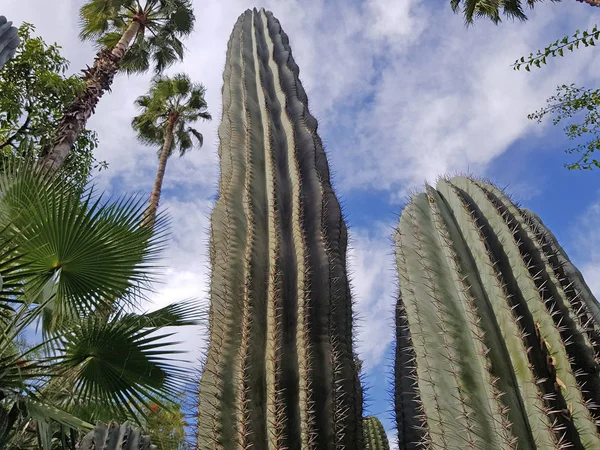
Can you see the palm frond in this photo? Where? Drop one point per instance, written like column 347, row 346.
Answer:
column 491, row 9
column 183, row 313
column 137, row 58
column 90, row 248
column 121, row 363
column 147, row 132
column 164, row 56
column 98, row 17
column 166, row 22
column 184, row 140
column 196, row 134
column 108, row 40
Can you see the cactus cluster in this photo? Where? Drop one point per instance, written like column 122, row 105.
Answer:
column 497, row 343
column 496, row 332
column 280, row 371
column 9, row 40
column 375, row 437
column 116, row 437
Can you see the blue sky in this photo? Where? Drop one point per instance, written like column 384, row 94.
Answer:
column 404, row 93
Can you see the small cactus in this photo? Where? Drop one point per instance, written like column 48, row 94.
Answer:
column 375, row 437
column 497, row 342
column 9, row 40
column 116, row 437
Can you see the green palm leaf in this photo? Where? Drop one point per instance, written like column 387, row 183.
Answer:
column 167, row 98
column 94, row 252
column 492, row 9
column 119, row 366
column 162, row 24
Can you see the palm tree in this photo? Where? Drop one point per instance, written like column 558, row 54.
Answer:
column 491, row 9
column 78, row 266
column 130, row 37
column 167, row 110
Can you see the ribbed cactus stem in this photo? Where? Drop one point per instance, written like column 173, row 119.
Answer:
column 116, row 437
column 9, row 40
column 502, row 327
column 375, row 437
column 280, row 370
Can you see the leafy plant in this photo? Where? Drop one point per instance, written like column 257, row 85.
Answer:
column 472, row 9
column 33, row 95
column 558, row 48
column 78, row 266
column 566, row 104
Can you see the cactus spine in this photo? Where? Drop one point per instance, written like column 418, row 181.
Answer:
column 375, row 437
column 280, row 369
column 496, row 332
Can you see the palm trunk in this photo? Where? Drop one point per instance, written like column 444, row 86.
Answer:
column 150, row 213
column 98, row 80
column 590, row 2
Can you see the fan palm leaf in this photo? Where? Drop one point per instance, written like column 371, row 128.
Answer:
column 89, row 251
column 119, row 366
column 492, row 9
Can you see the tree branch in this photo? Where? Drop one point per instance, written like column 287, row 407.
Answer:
column 21, row 130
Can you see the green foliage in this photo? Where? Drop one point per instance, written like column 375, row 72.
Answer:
column 375, row 437
column 102, row 256
column 77, row 264
column 166, row 426
column 472, row 9
column 158, row 41
column 569, row 102
column 495, row 329
column 558, row 48
column 171, row 99
column 280, row 370
column 33, row 95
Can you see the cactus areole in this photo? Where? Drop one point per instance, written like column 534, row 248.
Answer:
column 280, row 371
column 497, row 343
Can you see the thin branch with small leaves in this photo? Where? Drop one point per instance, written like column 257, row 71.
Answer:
column 557, row 48
column 568, row 102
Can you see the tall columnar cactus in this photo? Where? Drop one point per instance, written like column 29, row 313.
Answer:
column 375, row 437
column 496, row 331
column 9, row 40
column 280, row 370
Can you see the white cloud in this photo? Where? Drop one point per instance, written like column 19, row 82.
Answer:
column 586, row 245
column 450, row 101
column 371, row 265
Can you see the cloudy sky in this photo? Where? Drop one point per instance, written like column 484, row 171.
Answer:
column 404, row 93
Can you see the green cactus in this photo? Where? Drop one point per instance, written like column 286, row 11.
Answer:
column 9, row 40
column 280, row 370
column 116, row 437
column 374, row 434
column 496, row 332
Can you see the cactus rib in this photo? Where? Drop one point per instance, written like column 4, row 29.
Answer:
column 517, row 323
